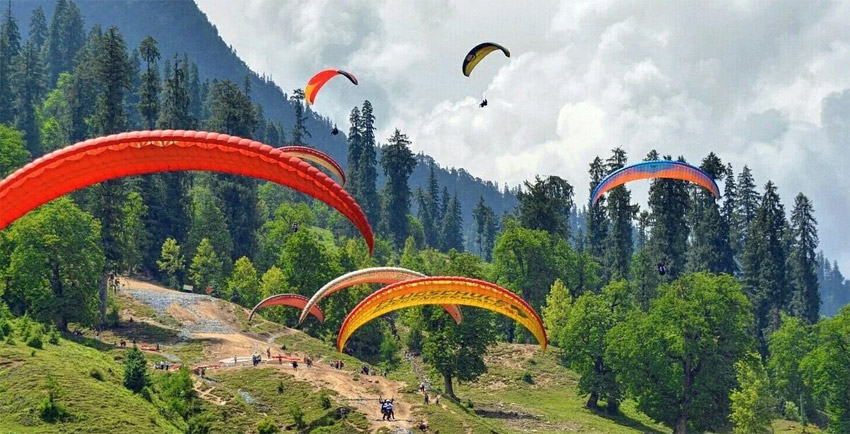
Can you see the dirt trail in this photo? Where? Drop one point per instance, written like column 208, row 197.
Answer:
column 207, row 319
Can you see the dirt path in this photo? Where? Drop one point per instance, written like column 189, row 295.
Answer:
column 213, row 322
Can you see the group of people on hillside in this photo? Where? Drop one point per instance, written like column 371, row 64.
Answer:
column 387, row 412
column 337, row 364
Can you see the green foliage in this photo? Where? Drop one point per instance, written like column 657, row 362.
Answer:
column 171, row 262
column 206, row 268
column 96, row 374
column 398, row 163
column 268, row 426
column 53, row 338
column 56, row 264
column 583, row 336
column 324, row 401
column 133, row 237
column 788, row 346
column 621, row 211
column 791, row 411
column 297, row 415
column 135, row 370
column 526, row 377
column 545, row 205
column 177, row 391
column 49, row 410
column 752, row 404
column 244, row 285
column 679, row 356
column 390, row 347
column 35, row 340
column 452, row 225
column 827, row 369
column 200, row 424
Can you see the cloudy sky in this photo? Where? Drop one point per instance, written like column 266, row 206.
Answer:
column 760, row 83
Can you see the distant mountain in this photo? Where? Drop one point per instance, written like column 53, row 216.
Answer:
column 180, row 27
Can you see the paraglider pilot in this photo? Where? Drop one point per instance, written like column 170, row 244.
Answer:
column 335, row 131
column 662, row 268
column 483, row 103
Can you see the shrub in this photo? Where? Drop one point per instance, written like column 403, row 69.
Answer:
column 199, row 424
column 526, row 376
column 135, row 370
column 95, row 373
column 469, row 403
column 297, row 415
column 112, row 318
column 325, row 401
column 267, row 426
column 53, row 338
column 35, row 341
column 280, row 387
column 791, row 411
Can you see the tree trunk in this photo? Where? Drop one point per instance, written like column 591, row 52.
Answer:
column 593, row 401
column 681, row 425
column 104, row 284
column 450, row 391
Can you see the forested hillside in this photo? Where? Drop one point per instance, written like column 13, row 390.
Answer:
column 702, row 310
column 180, row 28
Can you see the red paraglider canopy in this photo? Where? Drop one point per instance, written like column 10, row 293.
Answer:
column 292, row 300
column 143, row 152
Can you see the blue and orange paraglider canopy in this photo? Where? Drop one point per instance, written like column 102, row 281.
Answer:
column 665, row 169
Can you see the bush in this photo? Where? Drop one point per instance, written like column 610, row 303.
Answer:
column 297, row 415
column 469, row 403
column 280, row 387
column 267, row 426
column 791, row 411
column 325, row 401
column 35, row 341
column 414, row 340
column 10, row 340
column 135, row 370
column 53, row 338
column 146, row 394
column 5, row 328
column 526, row 376
column 199, row 424
column 49, row 410
column 95, row 373
column 112, row 318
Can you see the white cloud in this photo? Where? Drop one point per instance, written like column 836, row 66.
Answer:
column 760, row 83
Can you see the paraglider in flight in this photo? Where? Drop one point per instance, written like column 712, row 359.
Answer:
column 335, row 130
column 662, row 268
column 483, row 103
column 142, row 152
column 385, row 275
column 318, row 157
column 479, row 52
column 665, row 169
column 437, row 290
column 292, row 300
column 320, row 79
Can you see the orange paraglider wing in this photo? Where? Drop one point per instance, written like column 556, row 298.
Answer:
column 439, row 290
column 142, row 152
column 385, row 275
column 320, row 79
column 318, row 157
column 666, row 169
column 293, row 300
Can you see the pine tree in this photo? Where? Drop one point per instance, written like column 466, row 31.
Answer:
column 10, row 47
column 299, row 131
column 597, row 221
column 764, row 264
column 149, row 89
column 65, row 37
column 730, row 192
column 805, row 301
column 709, row 249
column 485, row 228
column 620, row 213
column 112, row 70
column 669, row 204
column 38, row 28
column 231, row 112
column 355, row 151
column 174, row 113
column 450, row 233
column 29, row 85
column 135, row 370
column 398, row 163
column 368, row 171
column 444, row 202
column 747, row 204
column 195, row 99
column 545, row 205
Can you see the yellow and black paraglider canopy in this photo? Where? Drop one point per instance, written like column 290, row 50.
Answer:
column 479, row 52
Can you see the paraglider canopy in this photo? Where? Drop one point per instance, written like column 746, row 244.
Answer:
column 320, row 79
column 654, row 169
column 292, row 300
column 479, row 52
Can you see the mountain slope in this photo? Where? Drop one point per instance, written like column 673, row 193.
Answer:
column 180, row 27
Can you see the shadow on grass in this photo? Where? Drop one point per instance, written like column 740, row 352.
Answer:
column 624, row 420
